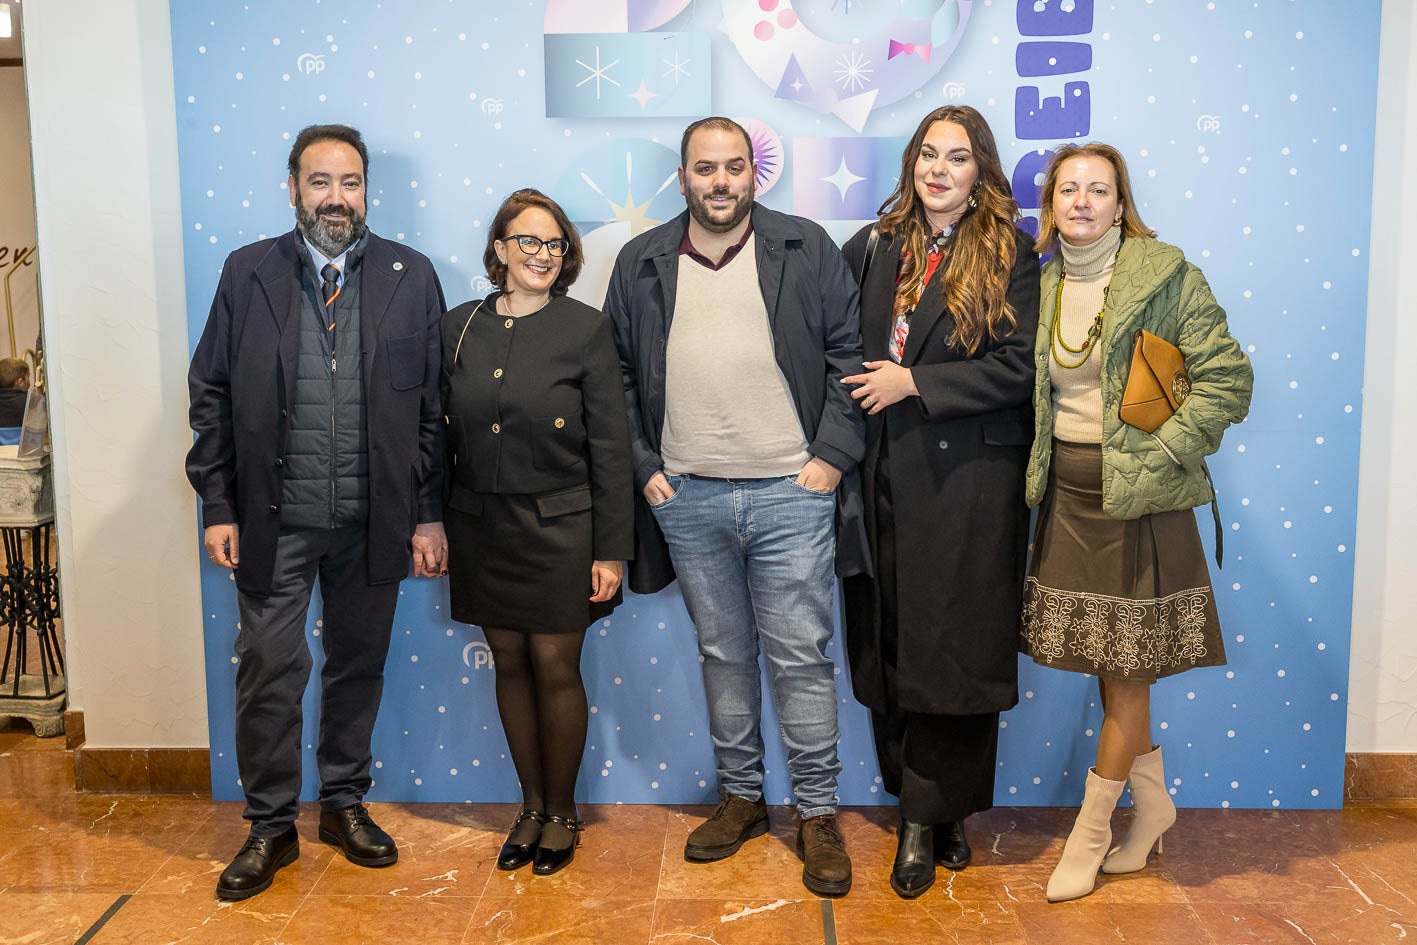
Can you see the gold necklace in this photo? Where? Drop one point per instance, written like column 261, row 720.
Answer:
column 507, row 304
column 1094, row 331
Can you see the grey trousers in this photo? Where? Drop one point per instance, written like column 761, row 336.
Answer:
column 274, row 669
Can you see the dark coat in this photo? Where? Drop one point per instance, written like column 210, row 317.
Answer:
column 957, row 458
column 811, row 301
column 550, row 385
column 242, row 382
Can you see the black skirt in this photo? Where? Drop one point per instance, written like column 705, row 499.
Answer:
column 512, row 567
column 1121, row 599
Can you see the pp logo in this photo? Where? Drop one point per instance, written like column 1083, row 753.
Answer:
column 1208, row 123
column 492, row 107
column 477, row 656
column 953, row 90
column 310, row 63
column 482, row 284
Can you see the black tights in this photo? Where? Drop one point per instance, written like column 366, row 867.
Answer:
column 542, row 702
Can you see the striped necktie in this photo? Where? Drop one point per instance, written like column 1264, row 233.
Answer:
column 329, row 289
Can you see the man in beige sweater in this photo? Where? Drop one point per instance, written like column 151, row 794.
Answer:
column 735, row 325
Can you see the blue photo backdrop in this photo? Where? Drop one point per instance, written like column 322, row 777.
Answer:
column 1249, row 133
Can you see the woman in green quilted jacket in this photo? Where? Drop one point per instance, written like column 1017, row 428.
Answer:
column 1118, row 586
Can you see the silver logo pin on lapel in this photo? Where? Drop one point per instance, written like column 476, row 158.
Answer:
column 398, row 267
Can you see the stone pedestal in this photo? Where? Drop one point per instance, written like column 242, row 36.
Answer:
column 45, row 713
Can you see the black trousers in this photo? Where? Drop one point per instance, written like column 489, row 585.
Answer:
column 940, row 766
column 274, row 669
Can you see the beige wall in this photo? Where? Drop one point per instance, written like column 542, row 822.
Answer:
column 16, row 217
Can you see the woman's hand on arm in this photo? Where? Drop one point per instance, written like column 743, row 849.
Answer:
column 883, row 384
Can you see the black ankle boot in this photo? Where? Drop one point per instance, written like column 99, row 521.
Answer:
column 951, row 848
column 914, row 869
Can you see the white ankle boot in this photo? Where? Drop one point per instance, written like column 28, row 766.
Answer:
column 1153, row 813
column 1076, row 873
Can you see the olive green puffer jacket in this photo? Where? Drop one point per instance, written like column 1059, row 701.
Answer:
column 1153, row 287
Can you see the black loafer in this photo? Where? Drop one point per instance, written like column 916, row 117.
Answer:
column 515, row 855
column 951, row 848
column 256, row 864
column 549, row 860
column 914, row 869
column 354, row 832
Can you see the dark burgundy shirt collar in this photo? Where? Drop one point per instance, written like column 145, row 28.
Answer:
column 686, row 248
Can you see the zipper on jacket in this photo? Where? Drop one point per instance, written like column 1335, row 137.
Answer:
column 334, row 443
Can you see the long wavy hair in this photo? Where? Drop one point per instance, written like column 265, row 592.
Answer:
column 980, row 254
column 1132, row 224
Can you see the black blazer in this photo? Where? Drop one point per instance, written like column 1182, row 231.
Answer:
column 535, row 407
column 242, row 382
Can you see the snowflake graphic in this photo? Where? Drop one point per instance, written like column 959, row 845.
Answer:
column 676, row 68
column 597, row 73
column 852, row 71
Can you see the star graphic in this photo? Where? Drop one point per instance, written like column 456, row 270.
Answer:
column 797, row 85
column 676, row 68
column 643, row 95
column 635, row 214
column 842, row 179
column 598, row 72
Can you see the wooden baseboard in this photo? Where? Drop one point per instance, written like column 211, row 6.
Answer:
column 1372, row 776
column 142, row 771
column 74, row 729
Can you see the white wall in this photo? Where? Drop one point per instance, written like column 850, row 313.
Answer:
column 1382, row 702
column 104, row 137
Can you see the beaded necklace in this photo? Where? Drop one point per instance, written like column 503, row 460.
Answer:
column 1093, row 332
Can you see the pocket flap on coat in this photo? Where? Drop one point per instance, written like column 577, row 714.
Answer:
column 407, row 358
column 463, row 499
column 1007, row 433
column 564, row 502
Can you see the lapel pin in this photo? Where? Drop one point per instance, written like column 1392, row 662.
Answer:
column 398, row 267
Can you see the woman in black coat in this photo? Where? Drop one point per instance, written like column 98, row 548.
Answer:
column 539, row 511
column 949, row 309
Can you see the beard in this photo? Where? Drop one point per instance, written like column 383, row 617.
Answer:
column 329, row 236
column 704, row 216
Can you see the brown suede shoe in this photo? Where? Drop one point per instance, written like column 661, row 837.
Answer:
column 736, row 821
column 826, row 869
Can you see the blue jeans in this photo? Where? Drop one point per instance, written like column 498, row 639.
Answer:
column 755, row 564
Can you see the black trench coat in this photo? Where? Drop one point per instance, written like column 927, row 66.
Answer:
column 958, row 454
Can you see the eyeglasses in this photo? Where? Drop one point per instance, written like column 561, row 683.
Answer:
column 531, row 245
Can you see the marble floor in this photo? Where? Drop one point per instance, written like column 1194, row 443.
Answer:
column 140, row 869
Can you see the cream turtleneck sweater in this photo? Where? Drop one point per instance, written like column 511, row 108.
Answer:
column 1077, row 392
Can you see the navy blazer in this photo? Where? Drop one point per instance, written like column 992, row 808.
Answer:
column 242, row 383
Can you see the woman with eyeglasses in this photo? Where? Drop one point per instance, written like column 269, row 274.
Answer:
column 539, row 512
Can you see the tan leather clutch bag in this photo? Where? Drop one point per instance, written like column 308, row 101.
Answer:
column 1157, row 382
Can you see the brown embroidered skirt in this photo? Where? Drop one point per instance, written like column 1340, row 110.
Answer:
column 1118, row 599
